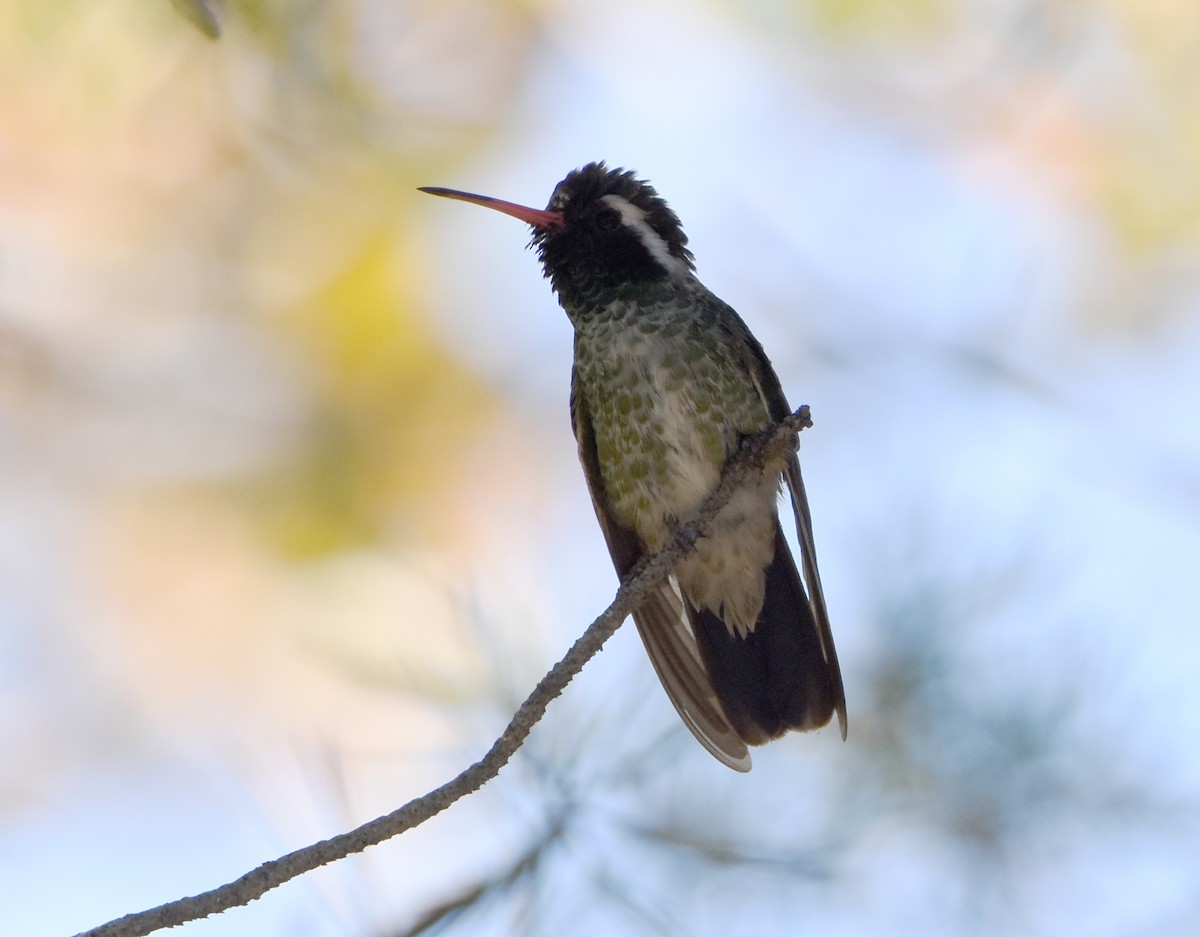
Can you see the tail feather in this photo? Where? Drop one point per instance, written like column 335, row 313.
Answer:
column 778, row 677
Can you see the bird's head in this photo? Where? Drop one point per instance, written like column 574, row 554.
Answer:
column 602, row 229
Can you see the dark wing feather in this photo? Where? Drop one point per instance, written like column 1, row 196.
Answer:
column 812, row 579
column 771, row 392
column 662, row 620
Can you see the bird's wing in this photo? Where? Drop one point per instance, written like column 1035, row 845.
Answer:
column 812, row 580
column 662, row 619
column 775, row 402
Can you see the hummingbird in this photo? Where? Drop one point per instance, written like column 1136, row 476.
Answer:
column 667, row 381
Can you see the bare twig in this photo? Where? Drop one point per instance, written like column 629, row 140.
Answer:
column 641, row 581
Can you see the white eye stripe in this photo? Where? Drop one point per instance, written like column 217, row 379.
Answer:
column 633, row 217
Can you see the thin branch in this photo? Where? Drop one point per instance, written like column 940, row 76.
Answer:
column 641, row 581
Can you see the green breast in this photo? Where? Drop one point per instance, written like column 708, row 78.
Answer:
column 669, row 400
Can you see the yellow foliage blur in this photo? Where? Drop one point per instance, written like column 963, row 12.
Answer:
column 392, row 409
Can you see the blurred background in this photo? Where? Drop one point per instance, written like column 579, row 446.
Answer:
column 291, row 519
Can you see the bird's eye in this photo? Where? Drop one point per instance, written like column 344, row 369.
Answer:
column 608, row 219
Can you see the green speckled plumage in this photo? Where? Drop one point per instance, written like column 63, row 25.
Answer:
column 669, row 398
column 662, row 386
